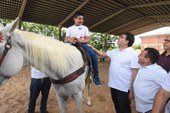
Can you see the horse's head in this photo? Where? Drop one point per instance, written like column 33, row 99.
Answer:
column 11, row 56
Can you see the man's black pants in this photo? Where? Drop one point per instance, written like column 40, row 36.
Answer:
column 121, row 101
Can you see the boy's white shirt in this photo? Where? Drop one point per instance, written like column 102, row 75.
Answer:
column 78, row 31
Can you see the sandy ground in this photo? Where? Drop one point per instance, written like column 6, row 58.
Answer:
column 14, row 95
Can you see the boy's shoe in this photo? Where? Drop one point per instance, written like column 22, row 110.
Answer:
column 97, row 81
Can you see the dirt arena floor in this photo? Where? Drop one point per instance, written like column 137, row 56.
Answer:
column 14, row 95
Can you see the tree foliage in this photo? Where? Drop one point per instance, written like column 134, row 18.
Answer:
column 137, row 46
column 46, row 30
column 103, row 41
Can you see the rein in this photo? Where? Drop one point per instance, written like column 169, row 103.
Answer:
column 8, row 46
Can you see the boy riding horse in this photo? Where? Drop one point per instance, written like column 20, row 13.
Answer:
column 79, row 34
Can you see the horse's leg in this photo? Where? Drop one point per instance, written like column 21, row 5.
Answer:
column 62, row 103
column 89, row 94
column 78, row 98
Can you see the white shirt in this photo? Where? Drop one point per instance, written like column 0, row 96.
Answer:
column 166, row 86
column 148, row 81
column 35, row 73
column 77, row 31
column 167, row 108
column 120, row 74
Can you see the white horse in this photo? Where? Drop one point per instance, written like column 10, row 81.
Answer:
column 56, row 59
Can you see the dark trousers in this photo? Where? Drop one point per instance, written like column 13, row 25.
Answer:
column 93, row 56
column 37, row 86
column 121, row 101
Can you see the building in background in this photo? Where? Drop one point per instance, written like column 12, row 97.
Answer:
column 154, row 38
column 155, row 41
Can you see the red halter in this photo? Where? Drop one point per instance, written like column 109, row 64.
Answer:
column 8, row 46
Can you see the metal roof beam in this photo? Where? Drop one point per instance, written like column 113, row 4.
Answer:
column 21, row 12
column 145, row 26
column 107, row 18
column 130, row 7
column 150, row 4
column 22, row 9
column 71, row 14
column 138, row 19
column 157, row 16
column 138, row 30
column 125, row 24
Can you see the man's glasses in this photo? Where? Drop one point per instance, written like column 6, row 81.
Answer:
column 166, row 40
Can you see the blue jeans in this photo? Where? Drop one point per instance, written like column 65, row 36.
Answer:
column 39, row 85
column 93, row 56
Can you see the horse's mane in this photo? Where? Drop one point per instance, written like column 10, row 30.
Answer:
column 46, row 51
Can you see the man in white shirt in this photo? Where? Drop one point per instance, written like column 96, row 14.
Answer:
column 79, row 34
column 122, row 72
column 162, row 97
column 39, row 83
column 148, row 80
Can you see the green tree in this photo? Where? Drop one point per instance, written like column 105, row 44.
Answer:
column 103, row 41
column 46, row 30
column 137, row 46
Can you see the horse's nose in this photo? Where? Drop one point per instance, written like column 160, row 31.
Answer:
column 3, row 80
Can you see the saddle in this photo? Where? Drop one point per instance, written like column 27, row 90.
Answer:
column 87, row 62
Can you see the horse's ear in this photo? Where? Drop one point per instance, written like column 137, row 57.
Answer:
column 9, row 29
column 14, row 25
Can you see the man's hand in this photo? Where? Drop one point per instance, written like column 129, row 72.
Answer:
column 131, row 95
column 1, row 37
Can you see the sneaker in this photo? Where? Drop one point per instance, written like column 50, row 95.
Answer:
column 97, row 81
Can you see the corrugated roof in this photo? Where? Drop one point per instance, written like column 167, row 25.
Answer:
column 105, row 16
